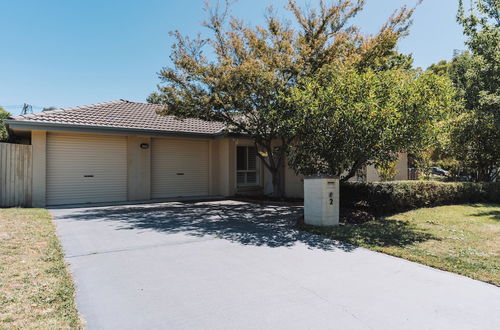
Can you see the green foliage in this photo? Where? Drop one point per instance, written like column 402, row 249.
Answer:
column 388, row 198
column 387, row 170
column 350, row 119
column 475, row 138
column 156, row 98
column 439, row 156
column 469, row 143
column 249, row 72
column 441, row 68
column 3, row 131
column 422, row 160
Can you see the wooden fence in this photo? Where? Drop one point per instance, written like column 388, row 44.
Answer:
column 15, row 174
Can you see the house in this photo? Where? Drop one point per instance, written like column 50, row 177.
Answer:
column 124, row 151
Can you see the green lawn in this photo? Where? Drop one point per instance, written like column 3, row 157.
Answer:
column 36, row 289
column 464, row 239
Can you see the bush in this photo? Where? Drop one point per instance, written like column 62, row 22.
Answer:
column 355, row 216
column 3, row 131
column 391, row 197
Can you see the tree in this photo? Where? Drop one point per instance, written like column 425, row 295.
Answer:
column 469, row 145
column 353, row 119
column 247, row 74
column 388, row 170
column 3, row 130
column 441, row 68
column 438, row 152
column 475, row 138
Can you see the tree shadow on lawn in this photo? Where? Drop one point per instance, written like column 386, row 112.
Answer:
column 244, row 223
column 376, row 233
column 494, row 215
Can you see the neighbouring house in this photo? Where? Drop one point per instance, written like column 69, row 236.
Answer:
column 124, row 151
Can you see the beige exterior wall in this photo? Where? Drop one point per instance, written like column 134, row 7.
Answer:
column 231, row 174
column 214, row 165
column 372, row 174
column 226, row 168
column 39, row 143
column 402, row 167
column 294, row 184
column 138, row 168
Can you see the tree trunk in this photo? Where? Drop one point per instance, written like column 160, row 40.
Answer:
column 354, row 169
column 274, row 166
column 277, row 180
column 484, row 174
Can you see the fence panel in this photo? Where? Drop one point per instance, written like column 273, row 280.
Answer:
column 15, row 174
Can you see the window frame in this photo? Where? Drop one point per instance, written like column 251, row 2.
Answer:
column 257, row 170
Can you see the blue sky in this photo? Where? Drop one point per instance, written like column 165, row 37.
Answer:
column 70, row 52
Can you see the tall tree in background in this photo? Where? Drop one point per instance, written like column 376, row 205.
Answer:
column 476, row 73
column 3, row 131
column 248, row 72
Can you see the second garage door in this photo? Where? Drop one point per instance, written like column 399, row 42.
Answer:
column 179, row 168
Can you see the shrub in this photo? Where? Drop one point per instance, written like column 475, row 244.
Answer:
column 391, row 197
column 356, row 216
column 3, row 131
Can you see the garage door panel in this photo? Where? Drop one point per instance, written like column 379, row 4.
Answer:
column 85, row 168
column 179, row 168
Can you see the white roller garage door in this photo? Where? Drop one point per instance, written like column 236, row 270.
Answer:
column 85, row 168
column 179, row 168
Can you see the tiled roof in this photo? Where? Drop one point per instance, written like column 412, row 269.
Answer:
column 123, row 114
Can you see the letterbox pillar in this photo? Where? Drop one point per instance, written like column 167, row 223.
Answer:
column 321, row 200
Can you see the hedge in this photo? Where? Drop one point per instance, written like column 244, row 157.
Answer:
column 391, row 197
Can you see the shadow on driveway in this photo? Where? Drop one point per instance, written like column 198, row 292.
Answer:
column 238, row 222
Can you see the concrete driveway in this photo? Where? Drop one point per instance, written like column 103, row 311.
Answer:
column 232, row 265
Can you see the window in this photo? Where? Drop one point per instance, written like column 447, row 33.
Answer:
column 247, row 166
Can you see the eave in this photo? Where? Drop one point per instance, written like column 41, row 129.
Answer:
column 13, row 124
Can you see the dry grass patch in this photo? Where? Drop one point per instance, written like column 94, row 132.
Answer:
column 37, row 291
column 464, row 239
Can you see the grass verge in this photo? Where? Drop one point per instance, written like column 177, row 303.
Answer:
column 464, row 239
column 37, row 291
